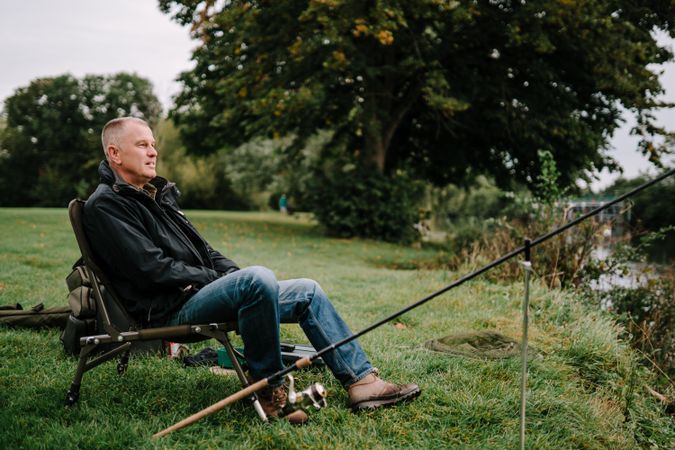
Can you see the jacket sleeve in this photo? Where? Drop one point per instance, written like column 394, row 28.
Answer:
column 221, row 263
column 119, row 238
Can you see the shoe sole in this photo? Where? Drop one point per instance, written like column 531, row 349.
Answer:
column 373, row 404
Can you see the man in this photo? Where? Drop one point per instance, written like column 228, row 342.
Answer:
column 168, row 275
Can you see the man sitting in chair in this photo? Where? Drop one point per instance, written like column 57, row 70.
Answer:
column 167, row 274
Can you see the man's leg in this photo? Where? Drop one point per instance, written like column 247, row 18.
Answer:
column 249, row 296
column 304, row 301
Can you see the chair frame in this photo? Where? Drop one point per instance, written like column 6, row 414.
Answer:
column 122, row 333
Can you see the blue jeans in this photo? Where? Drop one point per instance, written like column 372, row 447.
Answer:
column 259, row 303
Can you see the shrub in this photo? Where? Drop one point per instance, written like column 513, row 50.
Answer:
column 204, row 182
column 558, row 260
column 652, row 210
column 353, row 201
column 639, row 296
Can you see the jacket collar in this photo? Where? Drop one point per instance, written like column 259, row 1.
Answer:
column 110, row 177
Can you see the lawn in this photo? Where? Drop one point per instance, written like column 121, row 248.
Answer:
column 586, row 390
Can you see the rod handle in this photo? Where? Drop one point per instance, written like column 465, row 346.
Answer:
column 213, row 408
column 303, row 362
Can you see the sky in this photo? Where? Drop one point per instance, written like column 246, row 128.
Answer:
column 42, row 38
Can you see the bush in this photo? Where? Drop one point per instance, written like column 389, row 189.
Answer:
column 652, row 210
column 453, row 207
column 559, row 260
column 643, row 305
column 204, row 181
column 353, row 201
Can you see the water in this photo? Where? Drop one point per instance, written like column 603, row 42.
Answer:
column 635, row 275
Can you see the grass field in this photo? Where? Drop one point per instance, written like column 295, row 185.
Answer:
column 585, row 389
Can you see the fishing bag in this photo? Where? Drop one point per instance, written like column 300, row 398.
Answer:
column 80, row 298
column 82, row 308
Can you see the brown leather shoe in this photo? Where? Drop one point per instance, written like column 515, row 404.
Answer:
column 372, row 392
column 273, row 401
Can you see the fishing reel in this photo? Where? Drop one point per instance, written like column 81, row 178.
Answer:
column 314, row 395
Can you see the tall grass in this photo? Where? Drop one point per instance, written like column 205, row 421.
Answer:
column 585, row 391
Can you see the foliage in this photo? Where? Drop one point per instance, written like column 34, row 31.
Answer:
column 547, row 188
column 350, row 201
column 446, row 89
column 453, row 207
column 480, row 239
column 641, row 297
column 51, row 142
column 260, row 171
column 583, row 391
column 652, row 210
column 253, row 168
column 204, row 182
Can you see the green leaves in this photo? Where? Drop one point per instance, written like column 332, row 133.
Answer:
column 500, row 79
column 52, row 136
column 444, row 90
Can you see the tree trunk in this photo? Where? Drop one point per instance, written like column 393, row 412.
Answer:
column 382, row 121
column 374, row 148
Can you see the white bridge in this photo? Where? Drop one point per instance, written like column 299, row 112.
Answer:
column 616, row 217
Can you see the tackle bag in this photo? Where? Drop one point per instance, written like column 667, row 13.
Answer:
column 290, row 353
column 80, row 298
column 81, row 320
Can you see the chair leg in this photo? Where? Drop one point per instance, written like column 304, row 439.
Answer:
column 84, row 364
column 73, row 394
column 242, row 376
column 123, row 363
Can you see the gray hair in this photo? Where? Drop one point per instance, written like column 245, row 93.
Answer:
column 113, row 129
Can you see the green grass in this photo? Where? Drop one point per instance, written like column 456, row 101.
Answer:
column 585, row 389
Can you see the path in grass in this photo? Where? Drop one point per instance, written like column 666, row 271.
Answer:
column 577, row 374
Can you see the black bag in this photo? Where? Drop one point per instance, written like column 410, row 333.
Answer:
column 82, row 308
column 75, row 329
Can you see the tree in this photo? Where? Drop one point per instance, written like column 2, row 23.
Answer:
column 51, row 141
column 204, row 181
column 450, row 89
column 438, row 90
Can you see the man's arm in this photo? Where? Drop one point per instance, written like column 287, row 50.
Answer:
column 121, row 242
column 221, row 263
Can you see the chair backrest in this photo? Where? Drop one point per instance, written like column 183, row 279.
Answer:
column 110, row 310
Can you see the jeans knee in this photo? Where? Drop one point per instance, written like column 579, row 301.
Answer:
column 262, row 281
column 314, row 293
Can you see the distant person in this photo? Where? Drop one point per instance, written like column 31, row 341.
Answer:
column 283, row 204
column 168, row 274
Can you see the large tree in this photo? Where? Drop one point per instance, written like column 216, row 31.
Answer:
column 50, row 144
column 446, row 89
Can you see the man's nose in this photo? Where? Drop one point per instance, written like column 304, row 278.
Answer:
column 152, row 152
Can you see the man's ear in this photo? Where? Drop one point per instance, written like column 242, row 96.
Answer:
column 114, row 154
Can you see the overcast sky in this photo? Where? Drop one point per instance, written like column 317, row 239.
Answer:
column 40, row 38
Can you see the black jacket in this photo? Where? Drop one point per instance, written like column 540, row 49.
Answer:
column 147, row 247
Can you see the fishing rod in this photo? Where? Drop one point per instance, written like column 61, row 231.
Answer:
column 307, row 360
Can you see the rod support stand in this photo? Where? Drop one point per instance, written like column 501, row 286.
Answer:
column 528, row 252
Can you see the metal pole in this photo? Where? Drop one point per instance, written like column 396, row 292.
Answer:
column 527, row 266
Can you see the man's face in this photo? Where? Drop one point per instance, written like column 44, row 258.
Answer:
column 134, row 157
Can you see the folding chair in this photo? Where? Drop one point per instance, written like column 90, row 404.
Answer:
column 123, row 333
